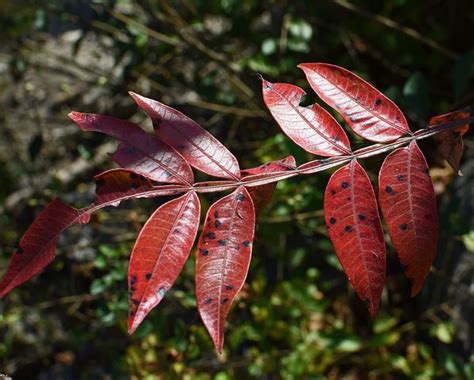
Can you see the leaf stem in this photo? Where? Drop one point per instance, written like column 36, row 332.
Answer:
column 304, row 169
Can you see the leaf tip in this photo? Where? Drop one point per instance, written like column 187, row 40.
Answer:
column 415, row 289
column 135, row 96
column 76, row 116
column 304, row 66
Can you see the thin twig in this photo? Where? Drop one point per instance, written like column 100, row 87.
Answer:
column 398, row 27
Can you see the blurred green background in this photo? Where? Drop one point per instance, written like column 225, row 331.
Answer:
column 297, row 317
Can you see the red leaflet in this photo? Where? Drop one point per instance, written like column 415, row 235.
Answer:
column 352, row 218
column 408, row 204
column 365, row 109
column 159, row 254
column 138, row 150
column 312, row 128
column 36, row 248
column 38, row 244
column 115, row 184
column 198, row 147
column 223, row 259
column 261, row 195
column 451, row 144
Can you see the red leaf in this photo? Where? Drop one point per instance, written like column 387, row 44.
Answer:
column 365, row 109
column 352, row 218
column 223, row 259
column 197, row 146
column 312, row 128
column 138, row 150
column 120, row 183
column 408, row 204
column 451, row 144
column 261, row 195
column 37, row 246
column 159, row 254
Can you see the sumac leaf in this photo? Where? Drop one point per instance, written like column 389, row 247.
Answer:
column 159, row 254
column 312, row 127
column 138, row 150
column 261, row 195
column 202, row 150
column 365, row 109
column 408, row 204
column 223, row 259
column 352, row 218
column 451, row 143
column 37, row 246
column 120, row 183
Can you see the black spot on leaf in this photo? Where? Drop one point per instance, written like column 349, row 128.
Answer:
column 221, row 242
column 211, row 235
column 348, row 228
column 229, row 287
column 401, row 177
column 133, row 280
column 246, row 243
column 224, row 301
column 403, row 226
column 240, row 197
column 378, row 102
column 333, row 192
column 208, row 301
column 361, row 216
column 332, row 220
column 148, row 276
column 216, row 214
column 204, row 252
column 217, row 223
column 388, row 189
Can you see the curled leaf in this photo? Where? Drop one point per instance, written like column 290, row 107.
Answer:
column 451, row 144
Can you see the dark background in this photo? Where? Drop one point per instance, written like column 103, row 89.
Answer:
column 297, row 317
